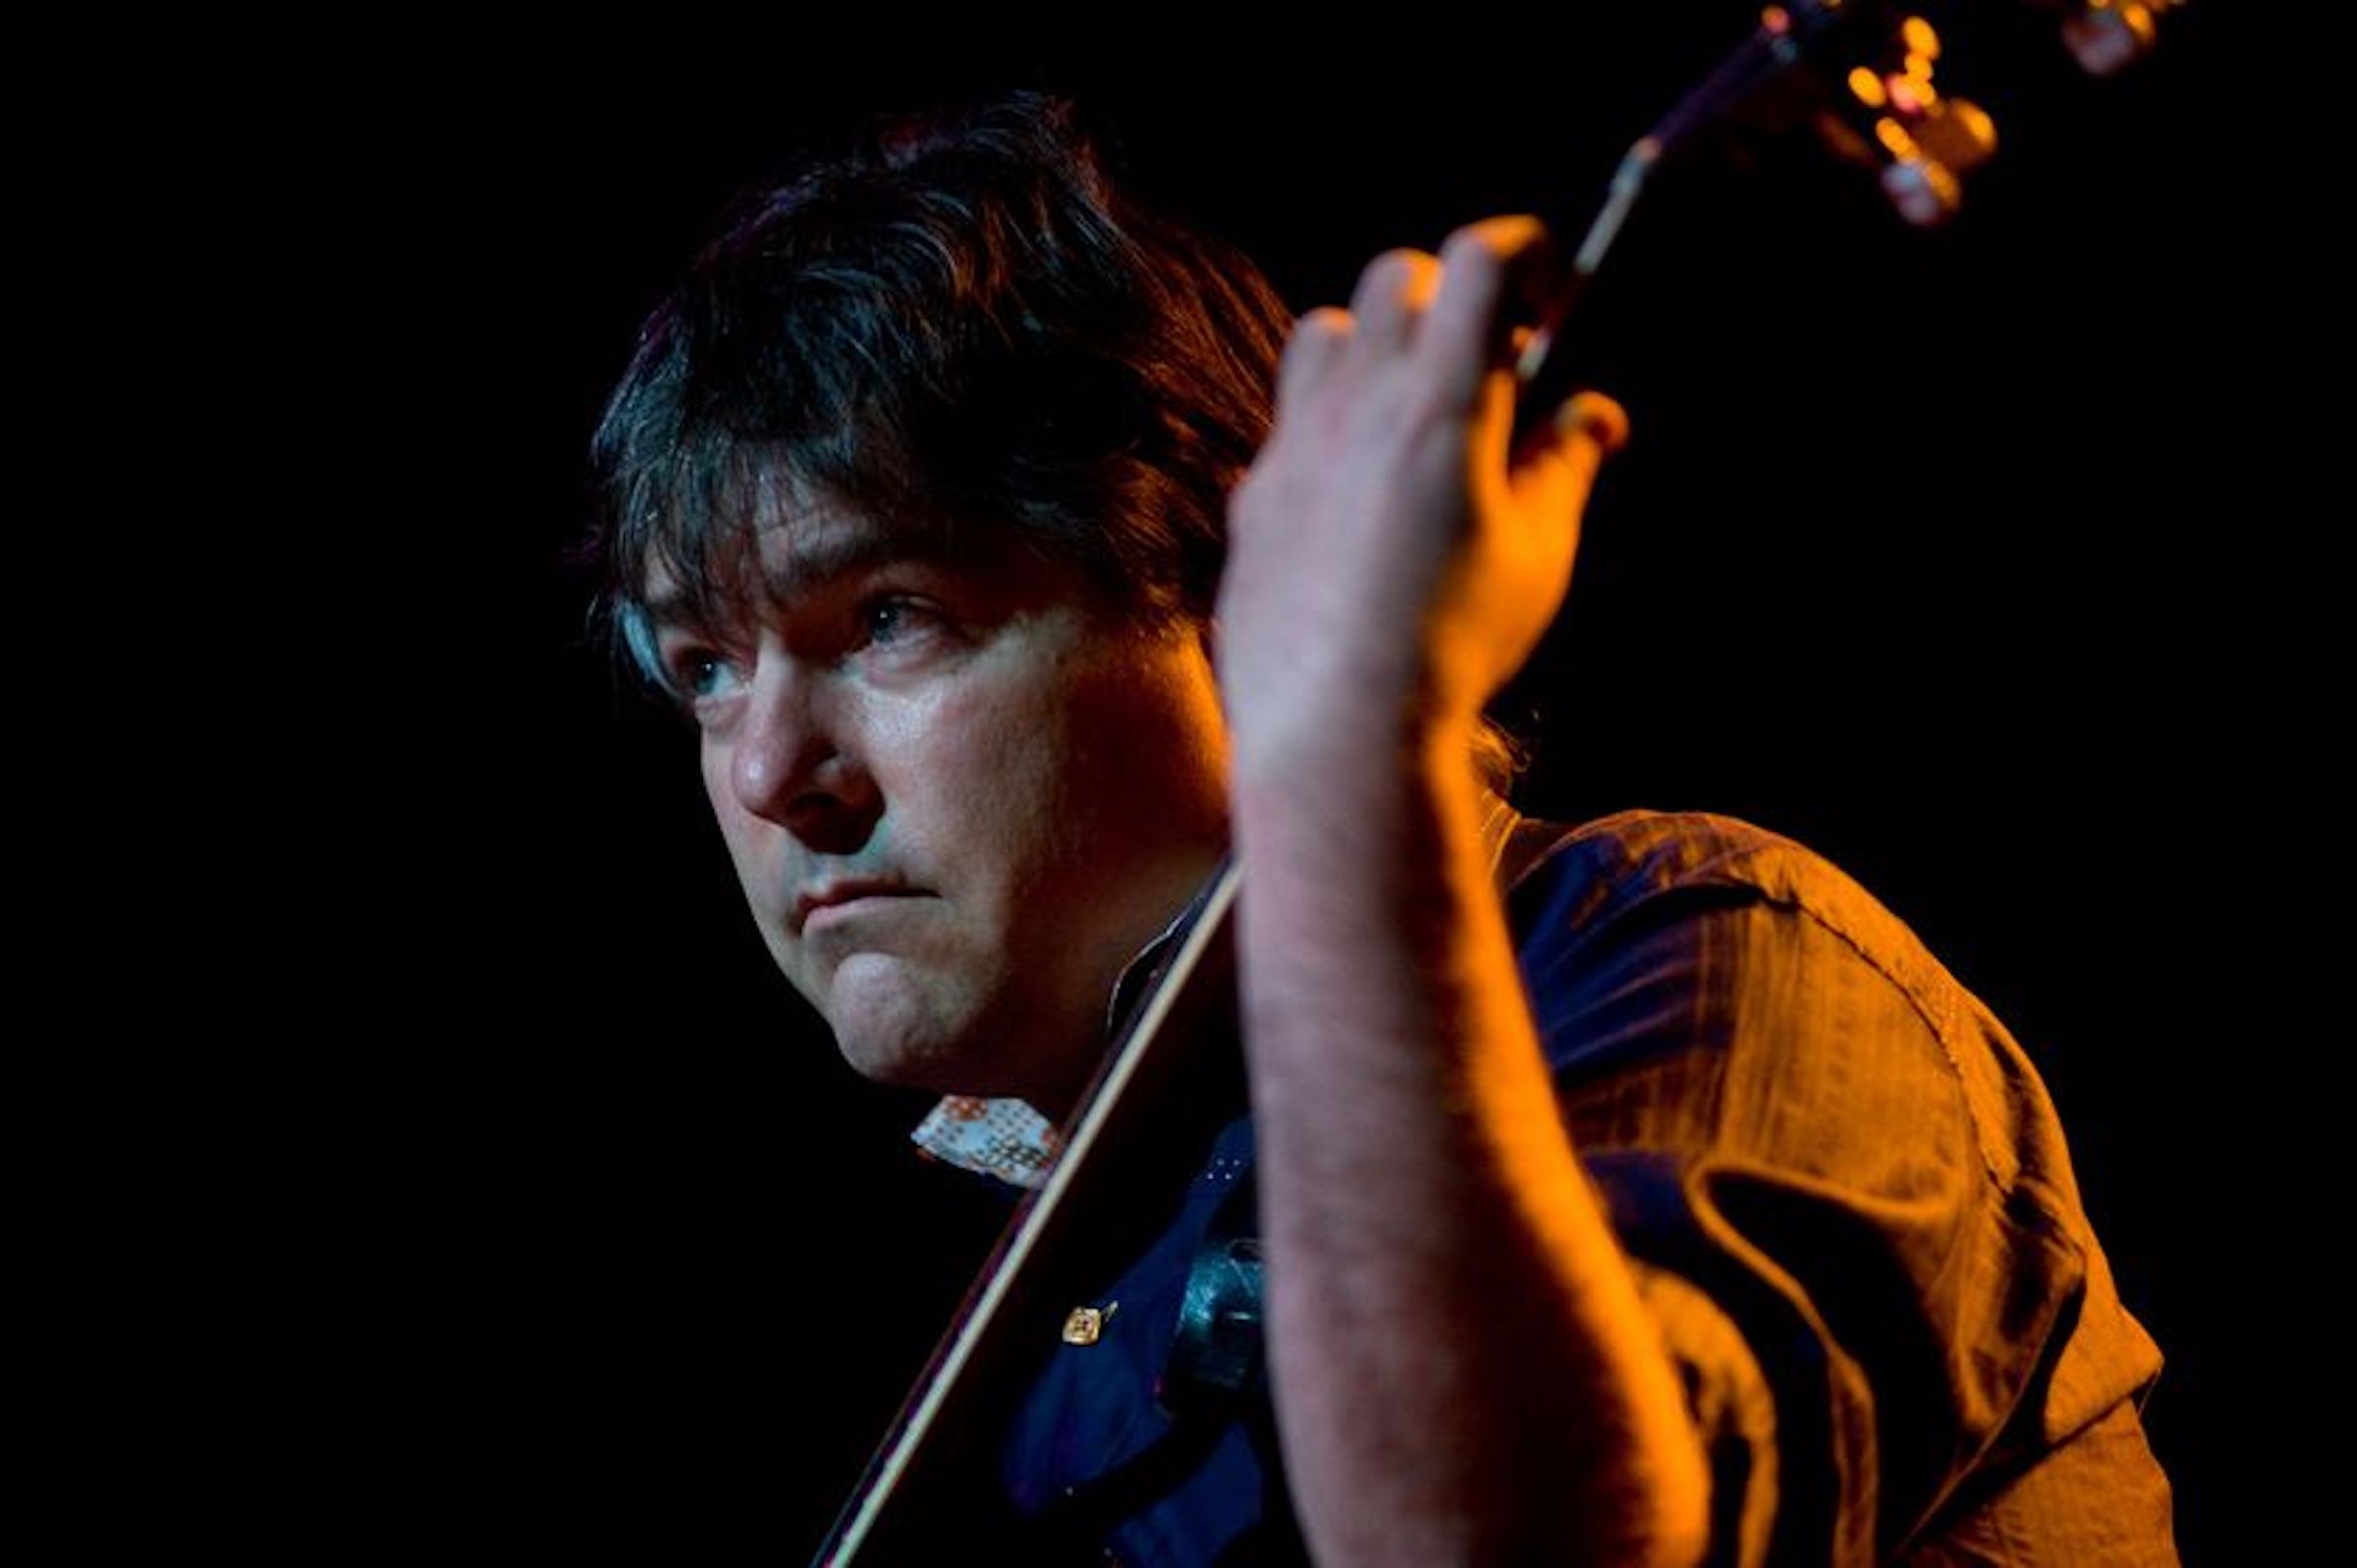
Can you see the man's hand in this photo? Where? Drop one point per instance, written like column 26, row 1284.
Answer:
column 1390, row 560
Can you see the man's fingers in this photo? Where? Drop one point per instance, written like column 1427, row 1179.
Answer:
column 1385, row 318
column 1458, row 313
column 1557, row 466
column 1595, row 419
column 1394, row 293
column 1317, row 345
column 1495, row 276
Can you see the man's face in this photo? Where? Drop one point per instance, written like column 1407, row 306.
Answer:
column 960, row 796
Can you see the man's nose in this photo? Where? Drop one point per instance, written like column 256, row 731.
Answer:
column 798, row 762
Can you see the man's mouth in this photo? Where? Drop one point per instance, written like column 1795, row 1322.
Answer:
column 826, row 902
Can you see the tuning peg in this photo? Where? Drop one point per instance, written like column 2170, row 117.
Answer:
column 2105, row 36
column 1891, row 116
column 1930, row 153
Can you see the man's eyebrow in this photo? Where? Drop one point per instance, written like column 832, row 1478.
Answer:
column 807, row 564
column 802, row 567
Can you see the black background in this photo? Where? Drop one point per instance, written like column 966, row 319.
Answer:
column 1948, row 554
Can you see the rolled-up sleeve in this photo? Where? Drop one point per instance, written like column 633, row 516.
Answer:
column 1849, row 1203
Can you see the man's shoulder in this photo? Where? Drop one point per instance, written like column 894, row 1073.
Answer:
column 1578, row 881
column 1608, row 863
column 1592, row 891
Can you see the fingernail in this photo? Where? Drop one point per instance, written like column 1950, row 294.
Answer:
column 1598, row 417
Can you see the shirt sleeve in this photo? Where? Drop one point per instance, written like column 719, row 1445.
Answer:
column 1844, row 1186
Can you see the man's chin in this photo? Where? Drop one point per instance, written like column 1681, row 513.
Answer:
column 894, row 1065
column 895, row 1029
column 944, row 1062
column 887, row 1029
column 897, row 1056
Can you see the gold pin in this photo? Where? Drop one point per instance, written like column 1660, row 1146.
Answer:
column 1085, row 1326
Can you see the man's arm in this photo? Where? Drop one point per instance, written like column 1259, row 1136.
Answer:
column 1462, row 1368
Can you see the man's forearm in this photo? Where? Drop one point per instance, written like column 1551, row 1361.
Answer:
column 1462, row 1371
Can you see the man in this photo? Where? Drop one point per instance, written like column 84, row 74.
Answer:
column 1674, row 1208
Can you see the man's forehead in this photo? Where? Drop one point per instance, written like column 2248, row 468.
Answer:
column 778, row 562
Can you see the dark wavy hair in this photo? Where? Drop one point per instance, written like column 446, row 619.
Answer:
column 962, row 325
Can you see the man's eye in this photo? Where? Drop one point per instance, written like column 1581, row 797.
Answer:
column 885, row 622
column 697, row 674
